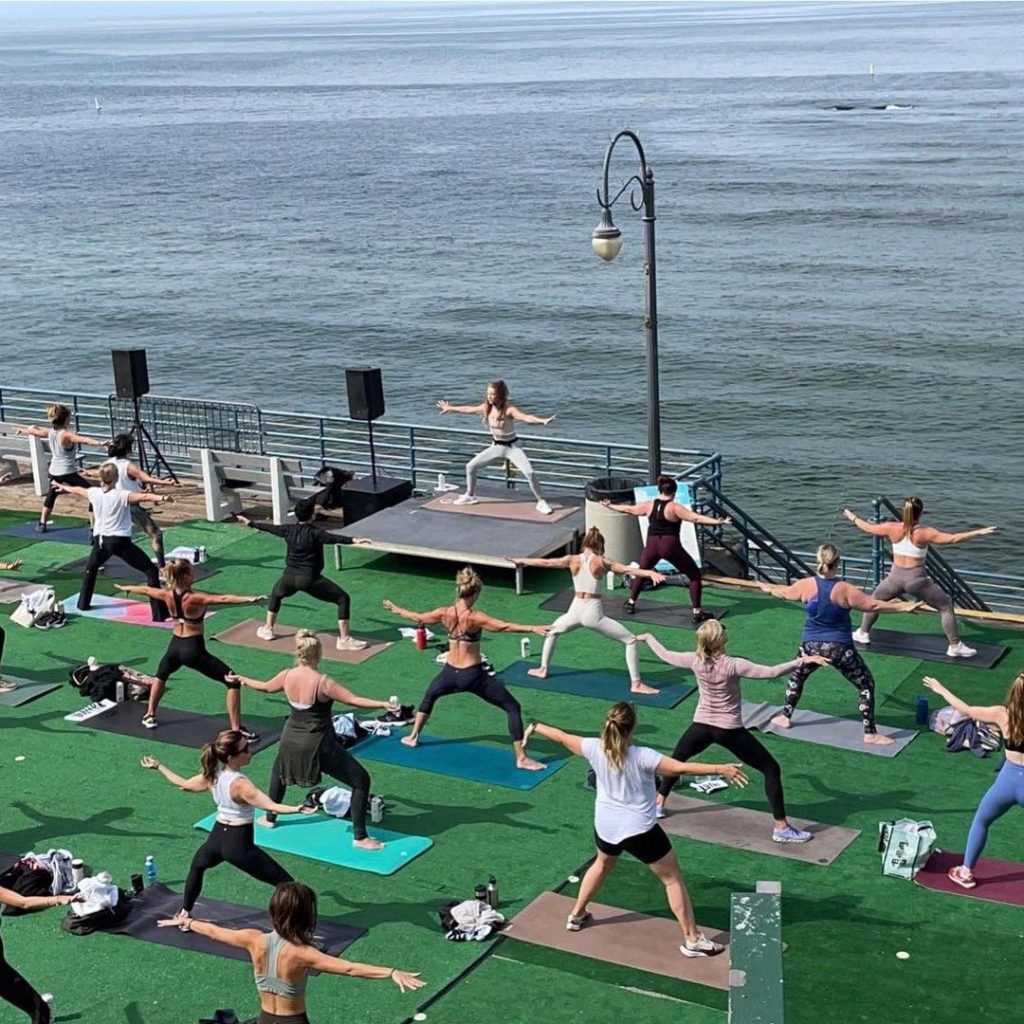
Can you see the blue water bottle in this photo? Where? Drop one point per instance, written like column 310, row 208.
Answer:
column 922, row 710
column 150, row 870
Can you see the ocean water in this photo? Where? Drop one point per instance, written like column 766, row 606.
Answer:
column 272, row 193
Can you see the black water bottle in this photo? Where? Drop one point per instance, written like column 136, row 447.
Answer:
column 480, row 893
column 492, row 892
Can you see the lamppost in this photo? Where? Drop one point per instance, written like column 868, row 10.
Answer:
column 607, row 241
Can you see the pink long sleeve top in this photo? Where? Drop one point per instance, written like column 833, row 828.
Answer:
column 718, row 682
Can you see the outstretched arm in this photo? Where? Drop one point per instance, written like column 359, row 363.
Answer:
column 797, row 591
column 732, row 772
column 995, row 713
column 680, row 659
column 244, row 791
column 500, row 626
column 336, row 691
column 571, row 742
column 315, row 960
column 445, row 406
column 78, row 492
column 689, row 516
column 139, row 588
column 145, row 498
column 83, row 439
column 32, row 431
column 643, row 509
column 277, row 531
column 240, row 938
column 632, row 570
column 854, row 597
column 934, row 536
column 525, row 417
column 147, row 478
column 875, row 529
column 231, row 598
column 196, row 784
column 421, row 618
column 545, row 563
column 10, row 898
column 274, row 685
column 752, row 670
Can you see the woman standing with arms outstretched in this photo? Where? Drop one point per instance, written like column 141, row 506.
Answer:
column 308, row 744
column 828, row 631
column 283, row 959
column 908, row 575
column 587, row 610
column 500, row 418
column 232, row 837
column 719, row 716
column 187, row 648
column 1008, row 789
column 465, row 671
column 625, row 816
column 63, row 463
column 665, row 517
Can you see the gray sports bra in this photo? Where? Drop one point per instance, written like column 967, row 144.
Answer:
column 271, row 981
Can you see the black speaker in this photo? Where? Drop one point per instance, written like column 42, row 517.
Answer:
column 131, row 374
column 364, row 496
column 365, row 393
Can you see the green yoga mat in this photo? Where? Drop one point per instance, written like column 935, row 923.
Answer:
column 320, row 837
column 494, row 766
column 28, row 689
column 596, row 683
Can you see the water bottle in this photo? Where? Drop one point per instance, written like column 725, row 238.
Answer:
column 202, row 553
column 480, row 893
column 922, row 710
column 492, row 892
column 421, row 637
column 376, row 809
column 150, row 870
column 119, row 691
column 524, row 647
column 92, row 663
column 77, row 871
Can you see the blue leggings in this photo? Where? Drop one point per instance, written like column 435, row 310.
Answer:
column 1006, row 792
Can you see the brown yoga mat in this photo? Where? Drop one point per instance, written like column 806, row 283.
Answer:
column 501, row 508
column 244, row 635
column 746, row 829
column 621, row 937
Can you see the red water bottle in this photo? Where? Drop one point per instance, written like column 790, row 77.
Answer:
column 421, row 637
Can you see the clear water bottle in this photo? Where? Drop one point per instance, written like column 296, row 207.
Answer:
column 92, row 663
column 202, row 554
column 492, row 892
column 376, row 809
column 150, row 870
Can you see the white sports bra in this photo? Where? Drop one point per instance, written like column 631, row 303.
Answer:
column 585, row 582
column 908, row 548
column 229, row 811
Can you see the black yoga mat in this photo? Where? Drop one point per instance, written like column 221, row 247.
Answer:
column 115, row 569
column 159, row 902
column 656, row 613
column 66, row 534
column 182, row 728
column 930, row 647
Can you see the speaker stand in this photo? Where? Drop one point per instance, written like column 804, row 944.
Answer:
column 143, row 438
column 373, row 456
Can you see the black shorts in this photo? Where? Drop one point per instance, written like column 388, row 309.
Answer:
column 647, row 847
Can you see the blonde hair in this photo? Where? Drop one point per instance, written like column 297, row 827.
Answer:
column 58, row 415
column 710, row 640
column 467, row 583
column 178, row 573
column 108, row 475
column 617, row 732
column 828, row 559
column 912, row 509
column 1015, row 711
column 308, row 649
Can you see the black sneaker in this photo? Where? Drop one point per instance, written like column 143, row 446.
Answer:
column 248, row 734
column 58, row 618
column 40, row 527
column 629, row 607
column 405, row 715
column 699, row 617
column 43, row 621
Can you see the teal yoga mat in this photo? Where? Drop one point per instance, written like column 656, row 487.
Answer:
column 320, row 837
column 596, row 683
column 459, row 759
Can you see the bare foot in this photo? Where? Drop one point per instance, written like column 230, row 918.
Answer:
column 781, row 721
column 266, row 822
column 369, row 843
column 529, row 764
column 411, row 741
column 878, row 739
column 639, row 687
column 539, row 673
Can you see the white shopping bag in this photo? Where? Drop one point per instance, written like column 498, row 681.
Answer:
column 905, row 846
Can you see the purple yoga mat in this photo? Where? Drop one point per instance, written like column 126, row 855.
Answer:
column 999, row 881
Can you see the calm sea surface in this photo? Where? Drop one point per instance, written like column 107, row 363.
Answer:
column 270, row 194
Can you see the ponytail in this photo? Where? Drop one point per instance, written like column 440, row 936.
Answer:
column 594, row 541
column 229, row 743
column 467, row 583
column 912, row 509
column 617, row 732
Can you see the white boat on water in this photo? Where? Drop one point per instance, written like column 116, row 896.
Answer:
column 96, row 100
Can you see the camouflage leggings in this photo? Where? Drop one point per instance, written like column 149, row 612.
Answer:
column 847, row 660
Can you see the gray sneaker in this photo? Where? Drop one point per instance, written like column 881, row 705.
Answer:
column 701, row 946
column 574, row 924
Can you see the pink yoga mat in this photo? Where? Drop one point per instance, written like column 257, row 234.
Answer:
column 999, row 881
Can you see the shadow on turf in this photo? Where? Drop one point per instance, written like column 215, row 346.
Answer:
column 47, row 826
column 431, row 819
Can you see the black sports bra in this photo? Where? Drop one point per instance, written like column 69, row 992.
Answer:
column 179, row 609
column 466, row 636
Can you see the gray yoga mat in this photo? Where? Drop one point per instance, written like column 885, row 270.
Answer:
column 930, row 647
column 159, row 902
column 13, row 590
column 28, row 689
column 826, row 730
column 655, row 613
column 67, row 534
column 742, row 828
column 115, row 569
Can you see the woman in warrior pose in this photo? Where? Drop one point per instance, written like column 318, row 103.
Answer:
column 1008, row 789
column 719, row 719
column 500, row 418
column 665, row 517
column 465, row 671
column 588, row 568
column 63, row 464
column 308, row 744
column 304, row 571
column 625, row 816
column 284, row 958
column 829, row 632
column 231, row 839
column 910, row 542
column 187, row 648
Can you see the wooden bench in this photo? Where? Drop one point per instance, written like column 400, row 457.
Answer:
column 227, row 475
column 16, row 449
column 755, row 956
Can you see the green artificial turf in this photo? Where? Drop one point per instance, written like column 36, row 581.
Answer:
column 83, row 789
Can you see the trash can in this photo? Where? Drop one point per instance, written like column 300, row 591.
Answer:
column 622, row 542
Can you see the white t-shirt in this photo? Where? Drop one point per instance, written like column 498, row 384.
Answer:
column 124, row 481
column 112, row 512
column 626, row 800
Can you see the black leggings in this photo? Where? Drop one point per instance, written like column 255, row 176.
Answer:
column 71, row 479
column 191, row 652
column 475, row 679
column 741, row 744
column 19, row 993
column 236, row 845
column 319, row 587
column 669, row 549
column 340, row 765
column 104, row 548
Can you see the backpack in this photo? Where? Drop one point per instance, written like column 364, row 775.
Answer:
column 98, row 683
column 331, row 480
column 86, row 924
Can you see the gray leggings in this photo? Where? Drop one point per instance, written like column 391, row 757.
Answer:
column 917, row 583
column 499, row 453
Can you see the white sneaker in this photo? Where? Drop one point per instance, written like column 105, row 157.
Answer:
column 860, row 636
column 960, row 650
column 543, row 507
column 266, row 633
column 350, row 643
column 6, row 685
column 465, row 499
column 703, row 946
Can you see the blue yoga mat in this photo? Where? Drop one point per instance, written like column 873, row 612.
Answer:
column 460, row 759
column 601, row 685
column 320, row 837
column 68, row 534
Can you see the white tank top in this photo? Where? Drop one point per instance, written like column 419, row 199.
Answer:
column 111, row 511
column 229, row 811
column 124, row 481
column 585, row 582
column 62, row 460
column 907, row 547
